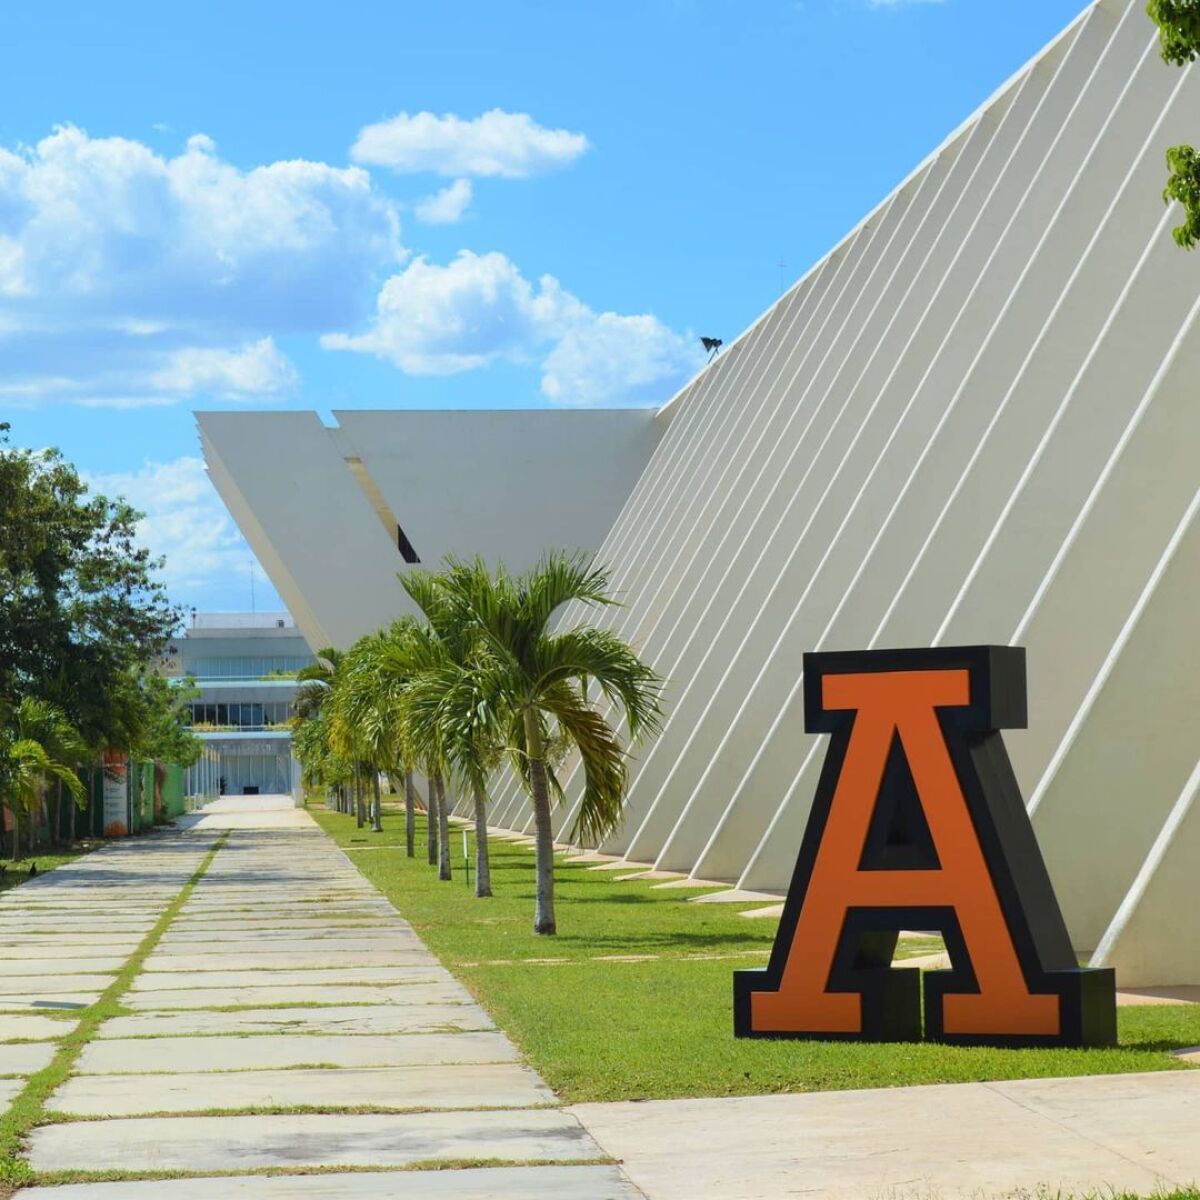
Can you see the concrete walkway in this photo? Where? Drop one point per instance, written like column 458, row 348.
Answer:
column 288, row 1019
column 1084, row 1135
column 286, row 985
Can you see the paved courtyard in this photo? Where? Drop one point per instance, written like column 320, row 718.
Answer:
column 285, row 995
column 287, row 1019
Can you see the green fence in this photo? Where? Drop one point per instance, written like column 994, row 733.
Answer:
column 139, row 800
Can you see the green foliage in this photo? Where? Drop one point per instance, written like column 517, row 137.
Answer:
column 39, row 748
column 548, row 677
column 1178, row 24
column 82, row 613
column 482, row 677
column 165, row 732
column 1183, row 186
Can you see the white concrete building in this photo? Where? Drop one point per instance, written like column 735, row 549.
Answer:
column 975, row 420
column 243, row 667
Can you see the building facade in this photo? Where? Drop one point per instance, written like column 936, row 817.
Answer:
column 243, row 666
column 974, row 421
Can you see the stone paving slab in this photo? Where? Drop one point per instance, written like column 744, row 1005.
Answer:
column 491, row 1085
column 231, row 938
column 365, row 976
column 50, row 985
column 221, row 922
column 225, row 1143
column 335, row 995
column 491, row 1183
column 8, row 1090
column 100, row 964
column 433, row 991
column 304, row 948
column 25, row 1059
column 51, row 936
column 31, row 994
column 111, row 950
column 121, row 1056
column 216, row 903
column 251, row 904
column 397, row 1019
column 38, row 1028
column 314, row 958
column 1125, row 1132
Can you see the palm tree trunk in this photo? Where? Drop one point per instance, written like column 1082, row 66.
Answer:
column 16, row 835
column 410, row 800
column 543, row 919
column 377, row 804
column 483, row 867
column 431, row 820
column 56, row 821
column 359, row 818
column 444, row 871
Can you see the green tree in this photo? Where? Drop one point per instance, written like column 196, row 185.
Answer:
column 449, row 708
column 38, row 747
column 365, row 707
column 539, row 682
column 312, row 723
column 1178, row 24
column 164, row 734
column 395, row 649
column 81, row 607
column 321, row 767
column 421, row 654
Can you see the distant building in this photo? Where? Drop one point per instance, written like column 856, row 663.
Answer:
column 245, row 666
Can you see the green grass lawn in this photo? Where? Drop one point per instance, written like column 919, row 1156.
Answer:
column 598, row 1027
column 15, row 874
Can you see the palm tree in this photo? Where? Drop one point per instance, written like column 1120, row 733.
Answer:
column 403, row 650
column 538, row 684
column 317, row 684
column 405, row 660
column 394, row 650
column 356, row 731
column 42, row 748
column 321, row 766
column 449, row 706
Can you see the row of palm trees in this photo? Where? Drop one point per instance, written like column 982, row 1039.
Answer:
column 40, row 754
column 481, row 677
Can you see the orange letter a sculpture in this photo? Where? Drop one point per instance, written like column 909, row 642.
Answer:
column 918, row 823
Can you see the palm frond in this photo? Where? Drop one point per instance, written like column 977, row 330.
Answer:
column 588, row 653
column 603, row 760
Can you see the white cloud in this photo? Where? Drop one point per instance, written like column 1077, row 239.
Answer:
column 480, row 309
column 185, row 521
column 257, row 369
column 153, row 277
column 447, row 206
column 636, row 360
column 434, row 320
column 512, row 145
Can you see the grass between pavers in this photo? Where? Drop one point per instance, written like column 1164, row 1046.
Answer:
column 28, row 1109
column 291, row 1110
column 1186, row 1193
column 596, row 1028
column 59, row 1178
column 15, row 874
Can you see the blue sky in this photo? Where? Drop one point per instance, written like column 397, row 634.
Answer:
column 446, row 204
